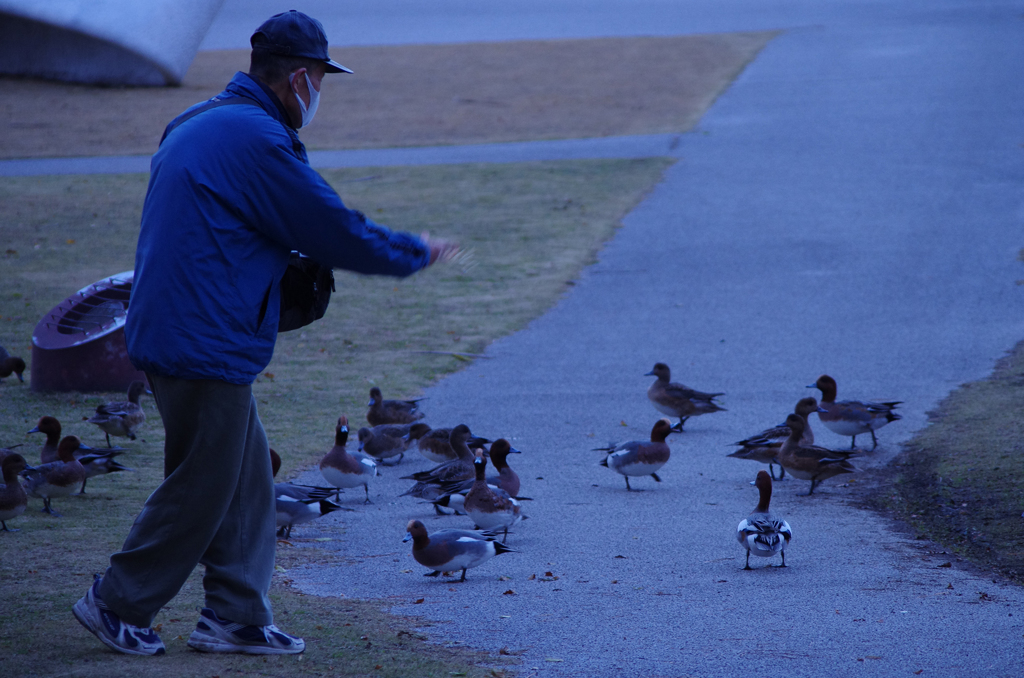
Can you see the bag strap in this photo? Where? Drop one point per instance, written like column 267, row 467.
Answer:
column 212, row 103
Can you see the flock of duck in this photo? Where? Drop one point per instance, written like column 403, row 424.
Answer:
column 459, row 481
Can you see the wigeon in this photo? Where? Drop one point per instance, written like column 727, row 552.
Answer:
column 4, row 451
column 429, row 482
column 49, row 426
column 640, row 457
column 122, row 417
column 505, row 478
column 13, row 499
column 764, row 447
column 344, row 470
column 810, row 462
column 58, row 478
column 10, row 364
column 436, row 447
column 451, row 550
column 390, row 440
column 391, row 411
column 852, row 417
column 763, row 533
column 677, row 400
column 489, row 507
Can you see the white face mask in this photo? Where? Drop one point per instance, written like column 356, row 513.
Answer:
column 314, row 100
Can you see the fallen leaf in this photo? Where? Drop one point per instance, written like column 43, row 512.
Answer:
column 405, row 571
column 70, row 241
column 918, row 672
column 505, row 616
column 623, row 557
column 417, row 601
column 510, row 592
column 615, row 581
column 278, row 568
column 623, row 423
column 531, row 577
column 504, row 578
column 553, row 659
column 945, row 565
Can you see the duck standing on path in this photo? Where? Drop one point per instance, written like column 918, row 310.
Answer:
column 677, row 400
column 429, row 483
column 763, row 533
column 344, row 470
column 10, row 364
column 451, row 550
column 506, row 478
column 810, row 462
column 852, row 417
column 489, row 507
column 122, row 417
column 764, row 447
column 436, row 445
column 391, row 411
column 640, row 457
column 389, row 440
column 58, row 478
column 300, row 504
column 13, row 499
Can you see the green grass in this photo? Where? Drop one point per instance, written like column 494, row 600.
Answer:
column 960, row 481
column 531, row 228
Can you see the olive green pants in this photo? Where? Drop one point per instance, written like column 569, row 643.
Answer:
column 215, row 507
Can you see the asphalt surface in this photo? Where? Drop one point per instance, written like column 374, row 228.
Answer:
column 851, row 206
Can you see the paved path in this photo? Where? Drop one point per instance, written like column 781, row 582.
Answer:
column 852, row 205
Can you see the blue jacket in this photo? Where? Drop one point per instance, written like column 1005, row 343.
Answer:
column 231, row 193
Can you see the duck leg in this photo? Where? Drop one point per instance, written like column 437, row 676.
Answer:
column 853, row 441
column 435, row 573
column 367, row 488
column 49, row 509
column 747, row 565
column 463, row 574
column 655, row 476
column 873, row 440
column 7, row 529
column 108, row 439
column 628, row 488
column 679, row 427
column 783, row 554
column 82, row 491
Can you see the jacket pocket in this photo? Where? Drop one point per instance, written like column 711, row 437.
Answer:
column 263, row 309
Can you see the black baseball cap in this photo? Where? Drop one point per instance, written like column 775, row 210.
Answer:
column 293, row 33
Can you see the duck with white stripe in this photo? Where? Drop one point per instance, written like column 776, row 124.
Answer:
column 763, row 533
column 451, row 550
column 764, row 447
column 344, row 470
column 122, row 417
column 489, row 507
column 640, row 457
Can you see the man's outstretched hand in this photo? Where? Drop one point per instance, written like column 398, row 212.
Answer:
column 441, row 251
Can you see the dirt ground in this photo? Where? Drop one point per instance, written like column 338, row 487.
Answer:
column 413, row 95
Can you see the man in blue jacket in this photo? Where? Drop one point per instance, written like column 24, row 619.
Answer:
column 231, row 194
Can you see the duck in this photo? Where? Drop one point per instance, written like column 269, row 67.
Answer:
column 4, row 451
column 299, row 504
column 429, row 483
column 13, row 499
column 389, row 440
column 51, row 427
column 383, row 412
column 489, row 507
column 10, row 364
column 852, row 417
column 451, row 550
column 640, row 457
column 435, row 445
column 677, row 400
column 58, row 478
column 96, row 462
column 811, row 462
column 122, row 417
column 763, row 533
column 506, row 479
column 342, row 469
column 764, row 447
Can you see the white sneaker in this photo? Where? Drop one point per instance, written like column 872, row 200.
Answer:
column 214, row 634
column 112, row 632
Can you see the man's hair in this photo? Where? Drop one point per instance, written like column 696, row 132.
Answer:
column 273, row 68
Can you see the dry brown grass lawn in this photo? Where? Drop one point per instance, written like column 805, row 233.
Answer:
column 414, row 95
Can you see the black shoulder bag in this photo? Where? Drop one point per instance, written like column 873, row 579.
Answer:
column 306, row 286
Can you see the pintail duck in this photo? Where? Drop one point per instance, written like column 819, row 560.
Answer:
column 13, row 499
column 10, row 364
column 490, row 508
column 451, row 550
column 763, row 533
column 390, row 440
column 810, row 462
column 391, row 411
column 677, row 400
column 344, row 470
column 429, row 483
column 300, row 504
column 852, row 417
column 640, row 457
column 122, row 417
column 436, row 447
column 58, row 478
column 764, row 447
